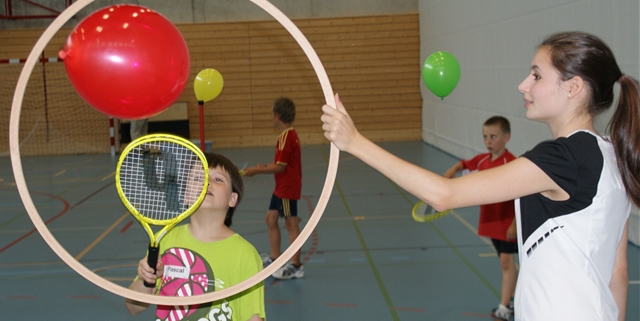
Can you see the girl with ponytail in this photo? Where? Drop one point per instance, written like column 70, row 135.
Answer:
column 573, row 193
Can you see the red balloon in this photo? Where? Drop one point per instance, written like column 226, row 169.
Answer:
column 127, row 61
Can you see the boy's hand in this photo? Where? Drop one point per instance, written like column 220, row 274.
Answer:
column 145, row 272
column 250, row 171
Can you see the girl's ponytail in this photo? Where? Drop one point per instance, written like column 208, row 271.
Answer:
column 624, row 129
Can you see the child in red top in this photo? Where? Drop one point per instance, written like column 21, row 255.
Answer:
column 287, row 170
column 497, row 221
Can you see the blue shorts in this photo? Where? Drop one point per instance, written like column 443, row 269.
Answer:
column 505, row 247
column 285, row 207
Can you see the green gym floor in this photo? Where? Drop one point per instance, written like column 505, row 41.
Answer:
column 366, row 260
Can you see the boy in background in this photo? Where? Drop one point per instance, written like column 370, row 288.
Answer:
column 287, row 170
column 497, row 221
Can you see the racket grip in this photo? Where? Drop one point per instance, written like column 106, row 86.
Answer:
column 152, row 260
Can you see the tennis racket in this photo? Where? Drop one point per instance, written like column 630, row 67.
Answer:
column 161, row 179
column 423, row 212
column 242, row 170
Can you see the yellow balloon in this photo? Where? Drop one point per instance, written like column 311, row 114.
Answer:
column 208, row 84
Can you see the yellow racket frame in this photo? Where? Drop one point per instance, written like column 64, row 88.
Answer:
column 426, row 218
column 155, row 238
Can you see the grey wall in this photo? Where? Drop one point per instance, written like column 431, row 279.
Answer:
column 494, row 42
column 190, row 11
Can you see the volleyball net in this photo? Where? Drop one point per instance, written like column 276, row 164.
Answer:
column 54, row 119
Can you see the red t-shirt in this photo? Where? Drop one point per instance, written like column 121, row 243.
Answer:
column 288, row 182
column 495, row 218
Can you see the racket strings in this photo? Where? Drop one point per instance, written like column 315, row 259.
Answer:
column 161, row 179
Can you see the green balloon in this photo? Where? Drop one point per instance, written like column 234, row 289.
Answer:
column 441, row 73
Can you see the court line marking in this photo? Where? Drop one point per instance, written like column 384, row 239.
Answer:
column 487, row 255
column 450, row 244
column 64, row 210
column 409, row 309
column 383, row 290
column 103, row 235
column 342, row 305
column 59, row 197
column 108, row 176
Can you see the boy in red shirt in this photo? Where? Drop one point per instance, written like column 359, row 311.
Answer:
column 497, row 221
column 287, row 169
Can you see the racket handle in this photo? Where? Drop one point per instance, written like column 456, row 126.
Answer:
column 152, row 260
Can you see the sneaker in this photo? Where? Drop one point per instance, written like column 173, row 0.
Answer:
column 289, row 272
column 502, row 313
column 266, row 260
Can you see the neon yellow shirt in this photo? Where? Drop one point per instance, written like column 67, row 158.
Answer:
column 193, row 267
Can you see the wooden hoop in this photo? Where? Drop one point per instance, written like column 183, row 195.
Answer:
column 117, row 289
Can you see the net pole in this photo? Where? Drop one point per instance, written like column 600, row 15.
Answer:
column 201, row 114
column 44, row 87
column 112, row 137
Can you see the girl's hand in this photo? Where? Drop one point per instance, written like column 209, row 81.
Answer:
column 338, row 126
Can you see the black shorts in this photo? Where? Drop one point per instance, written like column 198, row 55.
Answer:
column 504, row 246
column 285, row 207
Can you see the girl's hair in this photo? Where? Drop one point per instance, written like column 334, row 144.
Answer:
column 237, row 186
column 584, row 55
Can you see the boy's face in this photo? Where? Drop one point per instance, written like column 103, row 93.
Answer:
column 494, row 139
column 194, row 185
column 220, row 194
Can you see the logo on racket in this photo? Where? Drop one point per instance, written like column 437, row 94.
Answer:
column 165, row 160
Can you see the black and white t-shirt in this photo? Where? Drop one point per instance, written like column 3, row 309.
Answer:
column 567, row 248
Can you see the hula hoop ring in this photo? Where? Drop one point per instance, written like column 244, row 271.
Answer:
column 16, row 163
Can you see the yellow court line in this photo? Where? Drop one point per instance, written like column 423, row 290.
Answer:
column 60, row 173
column 103, row 235
column 108, row 176
column 487, row 254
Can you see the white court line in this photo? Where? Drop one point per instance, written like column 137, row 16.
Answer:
column 636, row 282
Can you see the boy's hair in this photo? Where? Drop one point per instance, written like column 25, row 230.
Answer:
column 237, row 186
column 502, row 122
column 285, row 107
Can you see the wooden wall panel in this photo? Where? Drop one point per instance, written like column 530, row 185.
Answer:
column 372, row 61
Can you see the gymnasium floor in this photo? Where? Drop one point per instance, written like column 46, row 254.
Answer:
column 366, row 260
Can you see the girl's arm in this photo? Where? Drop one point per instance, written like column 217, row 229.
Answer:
column 510, row 181
column 619, row 284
